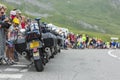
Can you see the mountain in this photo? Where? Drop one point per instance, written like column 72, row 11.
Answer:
column 80, row 16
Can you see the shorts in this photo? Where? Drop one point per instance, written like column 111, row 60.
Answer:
column 10, row 44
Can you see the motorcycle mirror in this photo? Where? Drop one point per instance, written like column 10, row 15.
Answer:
column 37, row 19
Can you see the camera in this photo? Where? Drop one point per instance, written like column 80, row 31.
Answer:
column 5, row 25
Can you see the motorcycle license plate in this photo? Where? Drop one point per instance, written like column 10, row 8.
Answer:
column 36, row 55
column 34, row 44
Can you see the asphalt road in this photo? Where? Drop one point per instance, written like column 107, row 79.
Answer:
column 88, row 64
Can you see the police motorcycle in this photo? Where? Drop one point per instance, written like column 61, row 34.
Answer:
column 30, row 45
column 59, row 43
column 50, row 41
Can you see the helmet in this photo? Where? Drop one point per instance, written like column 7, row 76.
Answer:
column 15, row 20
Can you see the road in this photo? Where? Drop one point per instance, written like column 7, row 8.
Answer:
column 88, row 64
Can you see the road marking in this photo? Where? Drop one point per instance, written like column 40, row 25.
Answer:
column 24, row 70
column 12, row 69
column 13, row 76
column 10, row 72
column 19, row 66
column 110, row 53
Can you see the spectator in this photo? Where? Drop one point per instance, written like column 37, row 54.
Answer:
column 12, row 14
column 23, row 22
column 12, row 36
column 18, row 15
column 87, row 40
column 3, row 25
column 108, row 45
column 79, row 41
column 84, row 40
column 72, row 39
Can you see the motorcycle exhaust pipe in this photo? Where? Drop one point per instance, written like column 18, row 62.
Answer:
column 47, row 49
column 24, row 54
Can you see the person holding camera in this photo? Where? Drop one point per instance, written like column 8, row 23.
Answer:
column 4, row 24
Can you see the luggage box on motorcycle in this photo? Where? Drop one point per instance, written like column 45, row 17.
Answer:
column 49, row 39
column 49, row 42
column 20, row 45
column 59, row 40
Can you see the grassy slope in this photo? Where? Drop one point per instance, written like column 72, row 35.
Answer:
column 94, row 12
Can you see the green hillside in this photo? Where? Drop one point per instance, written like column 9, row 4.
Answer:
column 95, row 17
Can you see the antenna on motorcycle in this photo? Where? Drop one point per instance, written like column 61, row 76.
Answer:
column 38, row 22
column 45, row 24
column 46, row 28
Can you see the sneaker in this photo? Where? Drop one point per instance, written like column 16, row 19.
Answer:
column 3, row 61
column 10, row 63
column 13, row 62
column 16, row 60
column 7, row 61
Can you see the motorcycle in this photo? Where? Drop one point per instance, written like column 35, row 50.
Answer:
column 49, row 44
column 50, row 40
column 59, row 42
column 31, row 46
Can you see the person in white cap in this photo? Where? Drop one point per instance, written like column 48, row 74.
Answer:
column 12, row 14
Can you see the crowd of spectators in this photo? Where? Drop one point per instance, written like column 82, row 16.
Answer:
column 84, row 41
column 9, row 27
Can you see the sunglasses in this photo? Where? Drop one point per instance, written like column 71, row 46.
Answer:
column 2, row 12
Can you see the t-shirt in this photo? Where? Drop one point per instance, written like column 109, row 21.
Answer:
column 23, row 25
column 79, row 40
column 84, row 38
column 72, row 38
column 13, row 33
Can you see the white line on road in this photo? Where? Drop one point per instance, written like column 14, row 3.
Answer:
column 12, row 69
column 13, row 76
column 19, row 65
column 24, row 70
column 110, row 53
